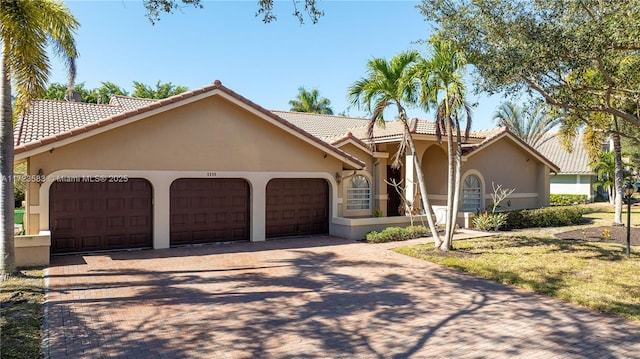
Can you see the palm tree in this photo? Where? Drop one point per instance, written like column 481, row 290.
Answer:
column 442, row 80
column 310, row 101
column 26, row 29
column 529, row 123
column 605, row 168
column 390, row 83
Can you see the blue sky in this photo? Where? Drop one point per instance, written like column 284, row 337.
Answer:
column 264, row 62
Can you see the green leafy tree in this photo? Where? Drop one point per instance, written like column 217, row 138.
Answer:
column 265, row 9
column 552, row 47
column 391, row 84
column 106, row 90
column 530, row 123
column 26, row 28
column 310, row 101
column 161, row 90
column 605, row 168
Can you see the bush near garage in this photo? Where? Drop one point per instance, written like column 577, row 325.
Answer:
column 567, row 199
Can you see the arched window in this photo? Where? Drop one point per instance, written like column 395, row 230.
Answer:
column 471, row 194
column 359, row 194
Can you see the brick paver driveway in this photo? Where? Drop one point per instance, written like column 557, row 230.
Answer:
column 307, row 298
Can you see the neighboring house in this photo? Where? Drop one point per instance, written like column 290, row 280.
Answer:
column 209, row 165
column 575, row 175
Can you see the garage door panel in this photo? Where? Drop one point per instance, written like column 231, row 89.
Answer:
column 218, row 210
column 93, row 216
column 297, row 206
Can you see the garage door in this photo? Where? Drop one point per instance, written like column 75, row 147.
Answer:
column 297, row 207
column 205, row 210
column 95, row 216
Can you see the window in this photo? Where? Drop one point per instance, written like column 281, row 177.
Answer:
column 471, row 194
column 358, row 194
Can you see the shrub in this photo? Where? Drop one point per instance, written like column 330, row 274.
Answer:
column 567, row 199
column 490, row 221
column 393, row 234
column 544, row 217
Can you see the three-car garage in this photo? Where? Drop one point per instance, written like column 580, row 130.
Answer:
column 90, row 216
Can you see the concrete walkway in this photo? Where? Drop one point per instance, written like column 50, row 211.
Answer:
column 307, row 298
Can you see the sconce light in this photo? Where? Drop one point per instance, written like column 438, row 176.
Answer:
column 338, row 177
column 41, row 178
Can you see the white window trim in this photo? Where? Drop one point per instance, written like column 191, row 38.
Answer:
column 367, row 194
column 481, row 192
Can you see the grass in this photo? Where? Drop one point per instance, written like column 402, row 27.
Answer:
column 21, row 315
column 592, row 274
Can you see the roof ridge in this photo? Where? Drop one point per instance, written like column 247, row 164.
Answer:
column 73, row 103
column 321, row 114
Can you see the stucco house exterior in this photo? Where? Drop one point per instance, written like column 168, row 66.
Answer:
column 209, row 165
column 575, row 175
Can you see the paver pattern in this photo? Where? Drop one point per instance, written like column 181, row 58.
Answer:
column 317, row 297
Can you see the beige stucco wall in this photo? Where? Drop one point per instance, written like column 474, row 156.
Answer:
column 208, row 138
column 211, row 134
column 506, row 163
column 347, row 175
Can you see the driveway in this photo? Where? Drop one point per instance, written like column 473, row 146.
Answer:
column 307, row 298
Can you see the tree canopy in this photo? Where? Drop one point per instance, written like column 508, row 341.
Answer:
column 265, row 9
column 310, row 101
column 161, row 90
column 578, row 55
column 102, row 94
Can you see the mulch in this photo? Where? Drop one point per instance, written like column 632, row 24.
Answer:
column 608, row 234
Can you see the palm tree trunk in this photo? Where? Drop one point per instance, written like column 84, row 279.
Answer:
column 617, row 149
column 458, row 183
column 7, row 202
column 421, row 183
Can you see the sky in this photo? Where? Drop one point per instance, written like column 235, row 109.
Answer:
column 265, row 63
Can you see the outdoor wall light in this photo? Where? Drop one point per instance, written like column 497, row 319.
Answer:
column 40, row 178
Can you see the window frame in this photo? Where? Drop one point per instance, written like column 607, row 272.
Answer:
column 358, row 199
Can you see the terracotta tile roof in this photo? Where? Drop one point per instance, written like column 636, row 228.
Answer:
column 576, row 162
column 47, row 118
column 129, row 103
column 47, row 121
column 325, row 127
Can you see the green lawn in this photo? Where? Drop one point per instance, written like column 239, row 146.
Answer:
column 21, row 315
column 593, row 274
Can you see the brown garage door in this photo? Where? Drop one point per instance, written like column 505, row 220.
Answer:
column 297, row 207
column 95, row 216
column 205, row 210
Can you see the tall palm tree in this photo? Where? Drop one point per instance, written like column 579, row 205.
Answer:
column 26, row 29
column 442, row 80
column 390, row 83
column 310, row 101
column 529, row 123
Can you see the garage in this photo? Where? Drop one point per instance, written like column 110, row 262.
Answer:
column 207, row 210
column 100, row 213
column 297, row 207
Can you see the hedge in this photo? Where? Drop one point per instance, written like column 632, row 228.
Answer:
column 567, row 199
column 544, row 217
column 393, row 234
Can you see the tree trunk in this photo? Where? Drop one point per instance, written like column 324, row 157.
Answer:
column 617, row 149
column 7, row 202
column 458, row 183
column 421, row 183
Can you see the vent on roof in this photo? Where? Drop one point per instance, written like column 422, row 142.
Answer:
column 74, row 97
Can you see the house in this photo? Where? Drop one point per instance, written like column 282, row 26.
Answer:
column 209, row 165
column 575, row 175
